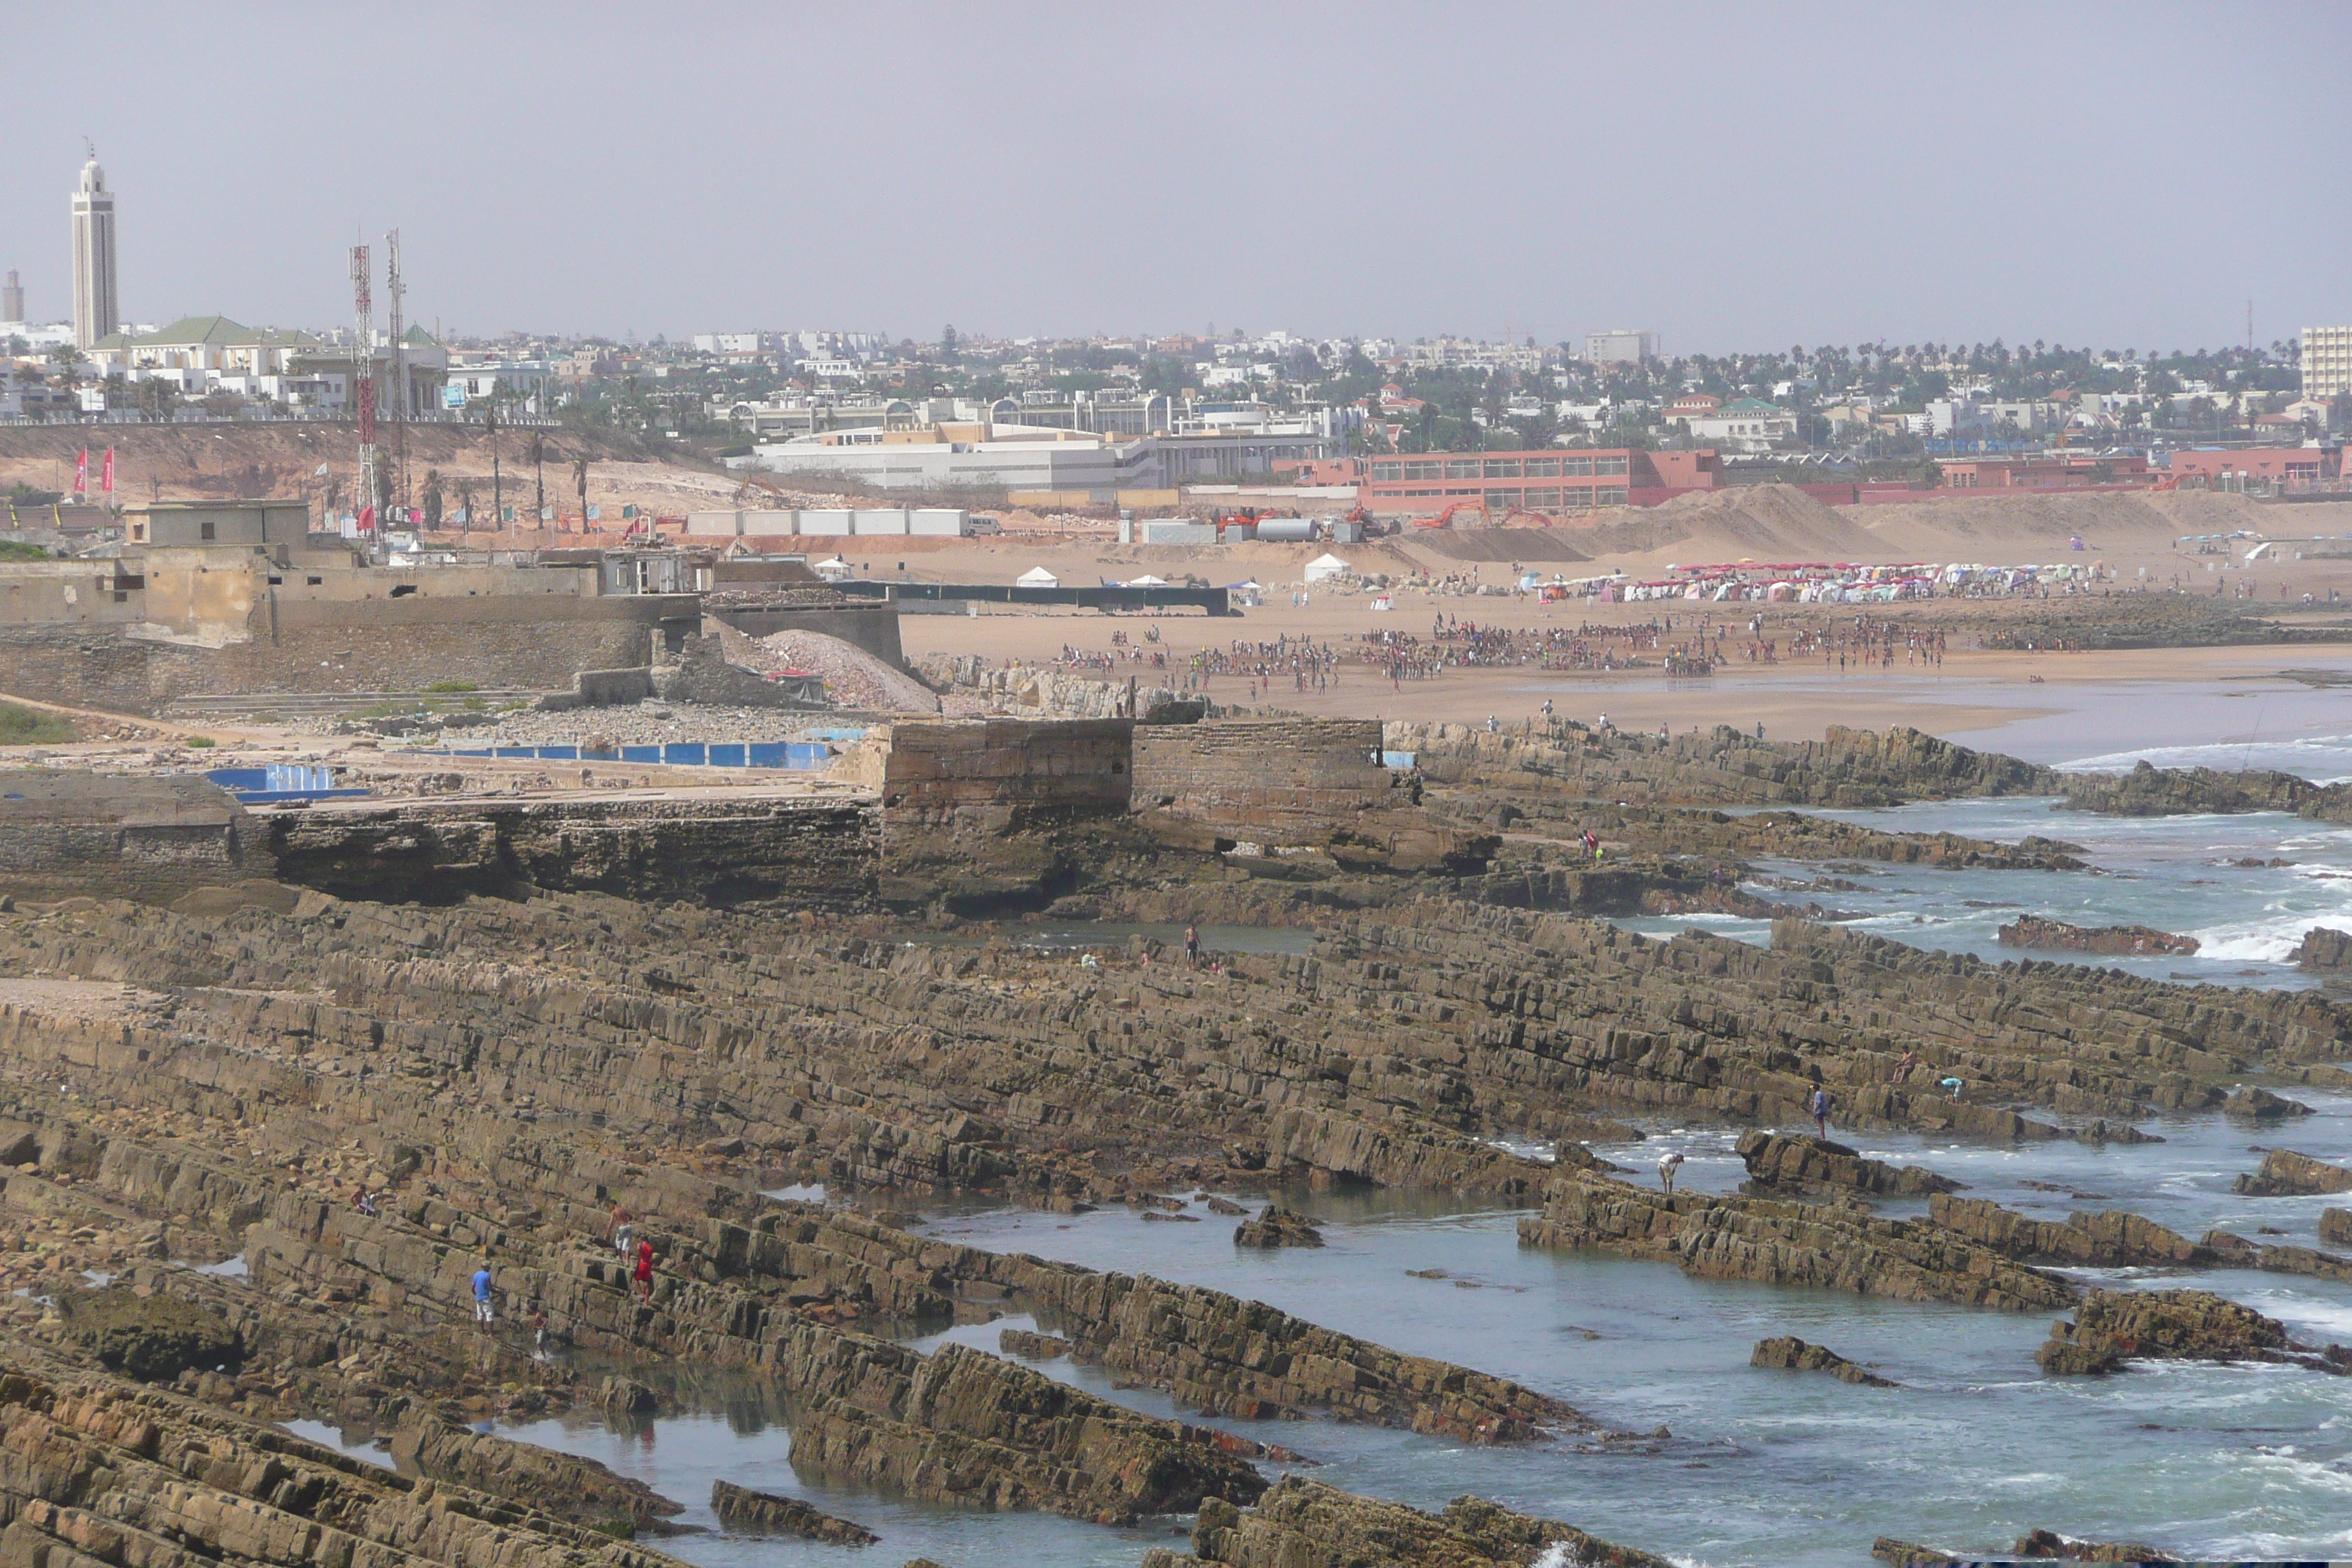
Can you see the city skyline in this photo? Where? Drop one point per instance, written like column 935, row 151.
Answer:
column 1807, row 176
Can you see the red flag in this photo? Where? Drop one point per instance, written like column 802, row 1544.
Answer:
column 367, row 520
column 106, row 475
column 81, row 474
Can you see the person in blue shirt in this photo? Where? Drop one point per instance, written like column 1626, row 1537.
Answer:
column 482, row 1295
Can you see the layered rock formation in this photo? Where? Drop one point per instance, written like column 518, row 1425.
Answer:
column 2033, row 932
column 1785, row 1243
column 1277, row 1227
column 1794, row 1165
column 2286, row 1173
column 101, row 1470
column 1846, row 768
column 2258, row 1104
column 2112, row 1327
column 747, row 1512
column 1304, row 1524
column 966, row 1428
column 2148, row 791
column 1032, row 1347
column 1789, row 1354
column 2108, row 1239
column 2049, row 1543
column 2323, row 950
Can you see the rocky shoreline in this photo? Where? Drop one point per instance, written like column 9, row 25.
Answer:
column 505, row 1079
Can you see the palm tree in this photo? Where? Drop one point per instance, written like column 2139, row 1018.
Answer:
column 464, row 489
column 431, row 496
column 579, row 478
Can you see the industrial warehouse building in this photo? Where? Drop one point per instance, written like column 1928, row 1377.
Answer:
column 1548, row 480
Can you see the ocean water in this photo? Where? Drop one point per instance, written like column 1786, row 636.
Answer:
column 1753, row 1466
column 2177, row 874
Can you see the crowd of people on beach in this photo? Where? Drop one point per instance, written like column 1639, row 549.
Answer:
column 1687, row 645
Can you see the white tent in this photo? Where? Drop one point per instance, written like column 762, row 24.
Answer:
column 833, row 571
column 1038, row 577
column 1146, row 581
column 1324, row 566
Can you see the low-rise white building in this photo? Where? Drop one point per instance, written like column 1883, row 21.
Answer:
column 1743, row 425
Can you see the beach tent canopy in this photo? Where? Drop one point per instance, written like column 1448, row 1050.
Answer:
column 1324, row 566
column 1038, row 577
column 1147, row 581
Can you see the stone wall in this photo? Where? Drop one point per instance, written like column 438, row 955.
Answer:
column 1080, row 764
column 1280, row 782
column 383, row 645
column 791, row 849
column 601, row 688
column 153, row 839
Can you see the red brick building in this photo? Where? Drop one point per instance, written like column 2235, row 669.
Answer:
column 2045, row 471
column 1549, row 481
column 2252, row 465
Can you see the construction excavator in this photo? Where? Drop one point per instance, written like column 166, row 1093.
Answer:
column 1443, row 520
column 756, row 487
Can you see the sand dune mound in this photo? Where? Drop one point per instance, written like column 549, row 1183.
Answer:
column 2015, row 527
column 1548, row 544
column 1753, row 522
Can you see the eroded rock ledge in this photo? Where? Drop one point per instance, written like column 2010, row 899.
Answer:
column 1786, row 1243
column 1780, row 1162
column 2112, row 1327
column 1304, row 1524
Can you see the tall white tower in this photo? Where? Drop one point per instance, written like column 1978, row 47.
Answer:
column 95, row 311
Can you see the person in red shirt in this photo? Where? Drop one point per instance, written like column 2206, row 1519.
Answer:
column 645, row 1275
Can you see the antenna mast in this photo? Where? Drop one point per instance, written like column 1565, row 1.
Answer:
column 393, row 290
column 364, row 386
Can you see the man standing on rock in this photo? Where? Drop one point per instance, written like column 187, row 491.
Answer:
column 1818, row 1108
column 1191, row 947
column 482, row 1297
column 1666, row 1169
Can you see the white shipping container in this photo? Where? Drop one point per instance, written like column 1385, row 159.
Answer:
column 723, row 524
column 936, row 521
column 769, row 524
column 826, row 521
column 893, row 520
column 1178, row 531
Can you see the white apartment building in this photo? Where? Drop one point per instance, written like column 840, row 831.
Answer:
column 1744, row 425
column 2326, row 362
column 1623, row 345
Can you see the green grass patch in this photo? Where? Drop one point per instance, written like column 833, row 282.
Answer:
column 31, row 727
column 452, row 686
column 200, row 741
column 17, row 550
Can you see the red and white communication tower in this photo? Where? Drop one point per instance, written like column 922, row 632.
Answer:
column 364, row 386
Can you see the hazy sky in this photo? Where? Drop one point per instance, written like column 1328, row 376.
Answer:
column 1737, row 176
